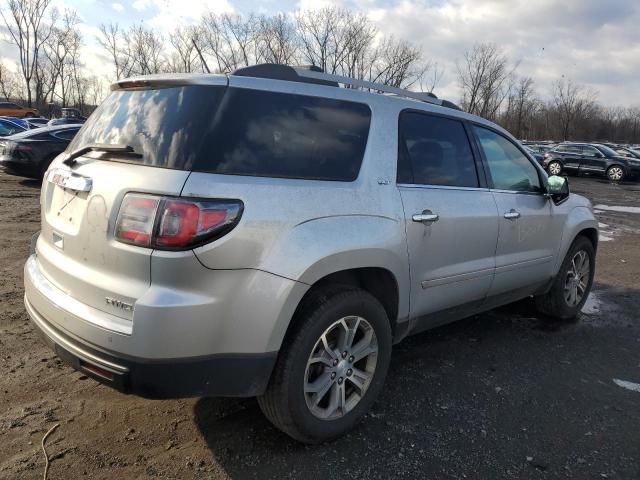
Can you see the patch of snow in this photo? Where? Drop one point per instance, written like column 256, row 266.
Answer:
column 592, row 305
column 604, row 238
column 602, row 225
column 634, row 387
column 618, row 208
column 598, row 211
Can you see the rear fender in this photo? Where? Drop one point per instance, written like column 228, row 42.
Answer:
column 322, row 246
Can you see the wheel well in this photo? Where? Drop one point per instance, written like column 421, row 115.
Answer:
column 379, row 282
column 591, row 234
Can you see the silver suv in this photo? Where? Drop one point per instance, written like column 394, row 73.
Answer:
column 271, row 233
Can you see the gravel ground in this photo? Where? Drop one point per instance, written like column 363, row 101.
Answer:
column 500, row 395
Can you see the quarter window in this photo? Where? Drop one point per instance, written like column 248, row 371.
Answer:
column 434, row 151
column 508, row 167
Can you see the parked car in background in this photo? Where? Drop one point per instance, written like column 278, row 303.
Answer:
column 28, row 154
column 590, row 158
column 329, row 224
column 537, row 155
column 10, row 127
column 37, row 122
column 542, row 148
column 11, row 109
column 624, row 151
column 18, row 121
column 71, row 116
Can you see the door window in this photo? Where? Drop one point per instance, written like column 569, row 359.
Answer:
column 434, row 150
column 588, row 151
column 66, row 134
column 509, row 168
column 569, row 149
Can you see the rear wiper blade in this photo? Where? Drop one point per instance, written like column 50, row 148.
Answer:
column 99, row 147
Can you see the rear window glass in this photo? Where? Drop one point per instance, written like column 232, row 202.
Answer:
column 234, row 131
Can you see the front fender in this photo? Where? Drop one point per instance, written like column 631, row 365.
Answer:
column 579, row 218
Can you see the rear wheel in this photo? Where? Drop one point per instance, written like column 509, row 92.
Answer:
column 615, row 173
column 572, row 285
column 331, row 367
column 555, row 168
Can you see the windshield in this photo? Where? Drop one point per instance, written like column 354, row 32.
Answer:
column 233, row 131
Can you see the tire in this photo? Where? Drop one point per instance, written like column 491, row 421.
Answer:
column 555, row 165
column 44, row 167
column 310, row 417
column 615, row 173
column 556, row 303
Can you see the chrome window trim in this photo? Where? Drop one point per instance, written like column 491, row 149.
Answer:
column 440, row 187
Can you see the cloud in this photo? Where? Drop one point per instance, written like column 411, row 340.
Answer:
column 585, row 40
column 118, row 7
column 165, row 15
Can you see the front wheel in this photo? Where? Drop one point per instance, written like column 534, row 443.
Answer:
column 572, row 284
column 331, row 367
column 615, row 173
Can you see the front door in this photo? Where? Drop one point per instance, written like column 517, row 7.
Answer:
column 527, row 241
column 450, row 217
column 592, row 160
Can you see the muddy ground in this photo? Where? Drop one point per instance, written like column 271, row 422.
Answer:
column 500, row 395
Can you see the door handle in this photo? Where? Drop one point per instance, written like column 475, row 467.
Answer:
column 512, row 215
column 425, row 217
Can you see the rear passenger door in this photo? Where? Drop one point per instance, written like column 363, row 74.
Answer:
column 450, row 216
column 572, row 156
column 527, row 240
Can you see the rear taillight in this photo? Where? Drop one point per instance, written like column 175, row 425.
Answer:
column 174, row 223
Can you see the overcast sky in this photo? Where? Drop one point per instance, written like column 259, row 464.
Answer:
column 592, row 42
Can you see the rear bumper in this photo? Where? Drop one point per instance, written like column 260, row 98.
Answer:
column 226, row 348
column 241, row 375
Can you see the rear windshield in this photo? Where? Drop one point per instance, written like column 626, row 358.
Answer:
column 234, row 131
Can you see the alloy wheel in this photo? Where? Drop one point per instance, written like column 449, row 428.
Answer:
column 555, row 168
column 340, row 368
column 577, row 280
column 615, row 173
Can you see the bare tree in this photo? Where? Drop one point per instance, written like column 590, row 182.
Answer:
column 62, row 50
column 485, row 76
column 9, row 84
column 571, row 102
column 112, row 40
column 398, row 63
column 145, row 48
column 322, row 36
column 185, row 58
column 276, row 40
column 521, row 106
column 230, row 39
column 28, row 30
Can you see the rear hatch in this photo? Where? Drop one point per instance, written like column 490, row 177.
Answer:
column 77, row 249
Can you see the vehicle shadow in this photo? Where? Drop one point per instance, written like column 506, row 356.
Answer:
column 31, row 183
column 474, row 398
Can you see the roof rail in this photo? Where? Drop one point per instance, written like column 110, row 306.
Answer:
column 379, row 87
column 314, row 74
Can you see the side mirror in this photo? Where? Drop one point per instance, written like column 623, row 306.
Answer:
column 598, row 155
column 557, row 189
